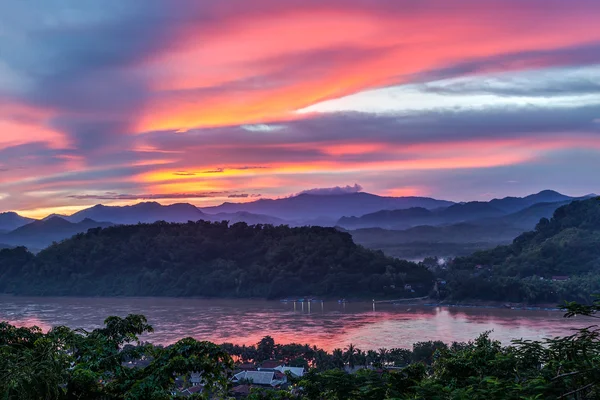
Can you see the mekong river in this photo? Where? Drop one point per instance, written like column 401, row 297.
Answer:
column 327, row 325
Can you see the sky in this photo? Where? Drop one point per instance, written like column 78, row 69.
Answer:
column 122, row 101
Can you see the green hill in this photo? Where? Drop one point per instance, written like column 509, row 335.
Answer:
column 559, row 260
column 210, row 259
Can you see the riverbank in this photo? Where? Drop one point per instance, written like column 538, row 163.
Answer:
column 427, row 302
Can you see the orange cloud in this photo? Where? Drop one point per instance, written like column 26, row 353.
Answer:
column 20, row 124
column 254, row 68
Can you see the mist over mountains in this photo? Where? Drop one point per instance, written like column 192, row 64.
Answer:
column 425, row 225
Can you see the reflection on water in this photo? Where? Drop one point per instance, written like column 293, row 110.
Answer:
column 327, row 325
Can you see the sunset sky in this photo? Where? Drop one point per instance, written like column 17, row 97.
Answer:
column 119, row 101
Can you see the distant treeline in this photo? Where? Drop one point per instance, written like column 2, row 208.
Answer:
column 210, row 259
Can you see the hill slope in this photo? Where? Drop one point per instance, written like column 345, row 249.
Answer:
column 403, row 219
column 210, row 259
column 567, row 245
column 40, row 234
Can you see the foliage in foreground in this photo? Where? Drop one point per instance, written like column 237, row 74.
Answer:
column 75, row 364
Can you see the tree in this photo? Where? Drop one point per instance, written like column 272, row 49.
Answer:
column 77, row 364
column 351, row 355
column 265, row 349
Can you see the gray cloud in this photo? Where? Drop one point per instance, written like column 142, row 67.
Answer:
column 337, row 190
column 153, row 196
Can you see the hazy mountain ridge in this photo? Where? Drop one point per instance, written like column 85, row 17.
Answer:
column 307, row 206
column 522, row 212
column 439, row 222
column 11, row 220
column 42, row 233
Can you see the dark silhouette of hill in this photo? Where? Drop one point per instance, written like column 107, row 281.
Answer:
column 11, row 220
column 514, row 204
column 209, row 259
column 566, row 246
column 311, row 206
column 147, row 212
column 40, row 234
column 249, row 218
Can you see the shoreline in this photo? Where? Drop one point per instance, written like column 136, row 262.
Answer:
column 418, row 302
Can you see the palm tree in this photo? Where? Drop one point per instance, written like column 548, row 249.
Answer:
column 372, row 358
column 338, row 358
column 350, row 355
column 383, row 355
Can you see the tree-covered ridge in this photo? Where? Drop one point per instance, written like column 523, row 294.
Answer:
column 559, row 260
column 210, row 259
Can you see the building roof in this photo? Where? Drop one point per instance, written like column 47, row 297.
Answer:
column 270, row 364
column 241, row 389
column 296, row 371
column 191, row 390
column 245, row 366
column 256, row 377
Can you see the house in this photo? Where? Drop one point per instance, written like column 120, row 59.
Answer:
column 558, row 278
column 297, row 372
column 270, row 364
column 262, row 378
column 191, row 390
column 196, row 379
column 245, row 367
column 240, row 391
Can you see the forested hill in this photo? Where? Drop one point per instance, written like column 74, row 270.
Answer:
column 565, row 246
column 210, row 259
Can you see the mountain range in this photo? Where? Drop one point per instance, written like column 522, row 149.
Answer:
column 376, row 221
column 523, row 212
column 330, row 207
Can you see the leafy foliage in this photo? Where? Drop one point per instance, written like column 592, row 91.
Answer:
column 209, row 259
column 76, row 364
column 567, row 245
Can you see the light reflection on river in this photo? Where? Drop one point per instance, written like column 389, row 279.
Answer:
column 327, row 325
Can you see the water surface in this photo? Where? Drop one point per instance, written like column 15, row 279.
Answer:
column 327, row 325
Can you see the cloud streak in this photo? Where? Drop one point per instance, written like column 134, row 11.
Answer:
column 143, row 99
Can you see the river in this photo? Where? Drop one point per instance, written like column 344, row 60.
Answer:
column 327, row 325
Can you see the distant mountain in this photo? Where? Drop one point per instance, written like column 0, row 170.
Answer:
column 12, row 220
column 522, row 212
column 563, row 250
column 527, row 218
column 403, row 219
column 40, row 234
column 312, row 206
column 56, row 215
column 514, row 204
column 443, row 241
column 147, row 212
column 469, row 211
